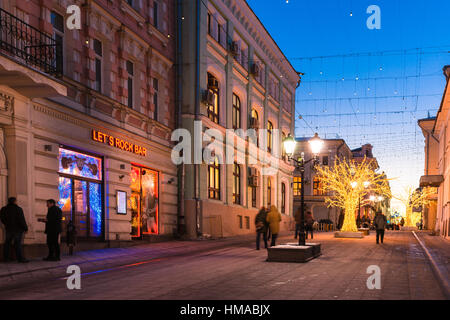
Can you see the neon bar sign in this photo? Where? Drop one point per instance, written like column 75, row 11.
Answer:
column 118, row 143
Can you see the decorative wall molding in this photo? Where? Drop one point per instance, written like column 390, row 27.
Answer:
column 6, row 102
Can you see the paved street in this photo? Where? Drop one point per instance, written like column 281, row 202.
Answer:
column 232, row 269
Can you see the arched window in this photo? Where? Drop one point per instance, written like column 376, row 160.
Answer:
column 214, row 179
column 317, row 187
column 269, row 136
column 256, row 118
column 283, row 198
column 236, row 184
column 213, row 98
column 283, row 151
column 269, row 192
column 254, row 124
column 236, row 112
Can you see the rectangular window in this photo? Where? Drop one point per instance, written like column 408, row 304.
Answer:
column 325, row 160
column 254, row 197
column 57, row 21
column 98, row 64
column 247, row 222
column 317, row 187
column 241, row 223
column 209, row 22
column 214, row 180
column 130, row 70
column 155, row 14
column 155, row 98
column 297, row 186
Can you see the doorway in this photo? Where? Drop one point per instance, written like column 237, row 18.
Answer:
column 144, row 201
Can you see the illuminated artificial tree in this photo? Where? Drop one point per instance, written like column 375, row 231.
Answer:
column 414, row 198
column 348, row 181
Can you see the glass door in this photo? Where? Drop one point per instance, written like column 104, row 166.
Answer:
column 80, row 206
column 144, row 201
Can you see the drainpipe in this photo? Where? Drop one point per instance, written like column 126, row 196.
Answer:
column 181, row 223
column 197, row 112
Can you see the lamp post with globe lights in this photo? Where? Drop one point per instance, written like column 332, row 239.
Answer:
column 315, row 145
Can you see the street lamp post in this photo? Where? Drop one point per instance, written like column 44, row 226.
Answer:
column 289, row 145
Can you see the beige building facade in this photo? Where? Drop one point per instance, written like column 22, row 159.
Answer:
column 437, row 164
column 235, row 77
column 86, row 119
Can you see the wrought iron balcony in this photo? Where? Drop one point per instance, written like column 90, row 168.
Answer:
column 28, row 45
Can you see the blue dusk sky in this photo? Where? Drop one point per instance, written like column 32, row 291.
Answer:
column 366, row 86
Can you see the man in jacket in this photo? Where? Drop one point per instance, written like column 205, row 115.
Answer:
column 261, row 227
column 53, row 229
column 380, row 224
column 274, row 218
column 15, row 225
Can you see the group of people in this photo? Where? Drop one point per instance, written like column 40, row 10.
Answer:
column 267, row 223
column 13, row 219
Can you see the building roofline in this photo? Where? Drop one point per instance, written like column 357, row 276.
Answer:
column 276, row 44
column 443, row 96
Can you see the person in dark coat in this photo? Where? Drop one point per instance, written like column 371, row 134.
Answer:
column 309, row 221
column 71, row 236
column 380, row 224
column 341, row 220
column 53, row 229
column 261, row 227
column 13, row 218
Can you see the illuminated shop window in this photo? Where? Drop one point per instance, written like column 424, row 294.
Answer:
column 144, row 201
column 79, row 164
column 80, row 192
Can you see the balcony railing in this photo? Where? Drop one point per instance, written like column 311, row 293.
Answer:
column 28, row 45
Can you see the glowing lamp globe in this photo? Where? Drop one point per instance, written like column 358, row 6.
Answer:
column 366, row 184
column 289, row 145
column 372, row 198
column 380, row 198
column 316, row 144
column 354, row 184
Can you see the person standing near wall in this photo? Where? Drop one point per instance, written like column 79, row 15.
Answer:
column 13, row 218
column 53, row 229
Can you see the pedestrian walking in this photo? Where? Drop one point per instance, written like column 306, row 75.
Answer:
column 380, row 224
column 274, row 219
column 53, row 229
column 71, row 236
column 341, row 220
column 13, row 219
column 261, row 227
column 309, row 221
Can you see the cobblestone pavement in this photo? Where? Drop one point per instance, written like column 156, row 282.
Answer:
column 232, row 269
